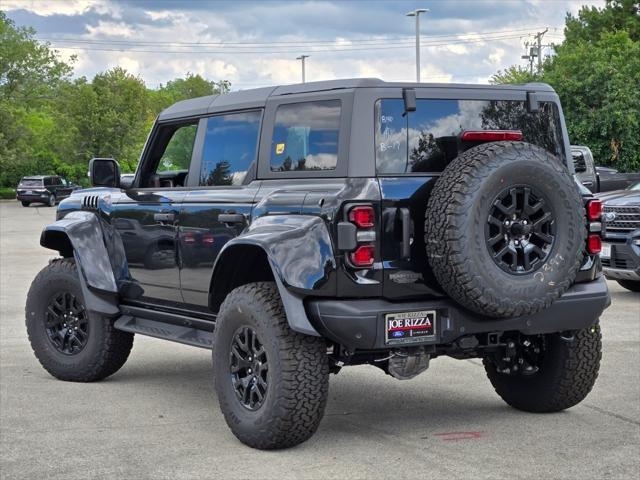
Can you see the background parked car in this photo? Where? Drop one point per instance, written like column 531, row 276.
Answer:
column 599, row 179
column 47, row 189
column 620, row 254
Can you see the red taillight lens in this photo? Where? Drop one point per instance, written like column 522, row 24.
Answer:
column 594, row 244
column 491, row 135
column 207, row 239
column 363, row 256
column 363, row 216
column 188, row 239
column 594, row 210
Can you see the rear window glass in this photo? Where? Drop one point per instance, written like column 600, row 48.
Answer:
column 428, row 139
column 26, row 182
column 305, row 136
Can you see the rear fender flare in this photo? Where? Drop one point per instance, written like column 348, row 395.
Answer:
column 300, row 256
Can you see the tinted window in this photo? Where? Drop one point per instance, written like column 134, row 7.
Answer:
column 30, row 182
column 305, row 136
column 229, row 148
column 177, row 154
column 579, row 163
column 428, row 139
column 47, row 182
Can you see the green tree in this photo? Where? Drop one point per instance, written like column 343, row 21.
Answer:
column 30, row 72
column 596, row 73
column 514, row 74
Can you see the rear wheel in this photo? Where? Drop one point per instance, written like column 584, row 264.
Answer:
column 25, row 203
column 632, row 285
column 504, row 229
column 272, row 383
column 70, row 343
column 548, row 373
column 51, row 201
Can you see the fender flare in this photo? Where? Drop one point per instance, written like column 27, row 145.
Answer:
column 81, row 234
column 300, row 255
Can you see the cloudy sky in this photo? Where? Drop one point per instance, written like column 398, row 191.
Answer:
column 255, row 43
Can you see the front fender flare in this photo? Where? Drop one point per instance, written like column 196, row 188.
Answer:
column 84, row 236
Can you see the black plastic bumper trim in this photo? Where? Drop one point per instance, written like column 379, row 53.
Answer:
column 359, row 323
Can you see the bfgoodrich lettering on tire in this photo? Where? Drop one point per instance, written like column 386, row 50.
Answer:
column 272, row 382
column 505, row 229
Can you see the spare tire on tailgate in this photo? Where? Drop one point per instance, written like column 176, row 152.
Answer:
column 504, row 229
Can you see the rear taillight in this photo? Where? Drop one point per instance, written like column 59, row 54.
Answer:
column 491, row 135
column 208, row 239
column 594, row 210
column 363, row 217
column 188, row 238
column 594, row 243
column 594, row 214
column 363, row 256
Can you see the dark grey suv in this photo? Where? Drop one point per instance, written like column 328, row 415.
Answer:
column 47, row 189
column 296, row 230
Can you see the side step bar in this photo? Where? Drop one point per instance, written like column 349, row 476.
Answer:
column 176, row 333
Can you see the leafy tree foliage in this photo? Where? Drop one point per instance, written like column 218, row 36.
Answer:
column 52, row 124
column 596, row 73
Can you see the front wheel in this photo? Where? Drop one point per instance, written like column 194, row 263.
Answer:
column 272, row 383
column 553, row 372
column 25, row 204
column 70, row 343
column 632, row 285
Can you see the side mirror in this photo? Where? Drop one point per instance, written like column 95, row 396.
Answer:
column 104, row 172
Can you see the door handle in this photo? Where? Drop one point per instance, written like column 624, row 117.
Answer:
column 164, row 217
column 588, row 184
column 231, row 218
column 405, row 222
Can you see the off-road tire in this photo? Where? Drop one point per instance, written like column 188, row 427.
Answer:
column 106, row 350
column 25, row 204
column 568, row 371
column 297, row 377
column 632, row 285
column 456, row 218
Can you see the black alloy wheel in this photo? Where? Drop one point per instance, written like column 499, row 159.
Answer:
column 520, row 230
column 248, row 368
column 67, row 323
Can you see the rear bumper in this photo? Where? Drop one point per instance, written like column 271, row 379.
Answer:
column 33, row 197
column 359, row 324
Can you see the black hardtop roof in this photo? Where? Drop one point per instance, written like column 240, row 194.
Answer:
column 257, row 97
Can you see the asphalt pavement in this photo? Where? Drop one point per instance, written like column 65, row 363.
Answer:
column 158, row 417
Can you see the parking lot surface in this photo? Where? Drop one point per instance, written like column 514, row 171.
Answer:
column 158, row 417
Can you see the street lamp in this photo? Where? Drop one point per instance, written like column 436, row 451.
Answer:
column 302, row 57
column 416, row 13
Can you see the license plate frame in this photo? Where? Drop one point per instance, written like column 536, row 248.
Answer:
column 606, row 250
column 410, row 327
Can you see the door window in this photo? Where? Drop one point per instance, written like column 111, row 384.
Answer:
column 305, row 136
column 230, row 147
column 177, row 154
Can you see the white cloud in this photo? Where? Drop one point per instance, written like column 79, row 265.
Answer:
column 444, row 59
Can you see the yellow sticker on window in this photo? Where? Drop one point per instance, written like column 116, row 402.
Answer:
column 279, row 148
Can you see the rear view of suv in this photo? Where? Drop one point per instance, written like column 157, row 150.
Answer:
column 47, row 189
column 301, row 229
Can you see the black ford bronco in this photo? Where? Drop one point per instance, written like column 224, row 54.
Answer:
column 299, row 229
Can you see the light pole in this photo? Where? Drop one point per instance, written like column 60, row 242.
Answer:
column 416, row 13
column 302, row 57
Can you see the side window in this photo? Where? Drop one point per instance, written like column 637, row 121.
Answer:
column 305, row 136
column 177, row 154
column 230, row 147
column 47, row 182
